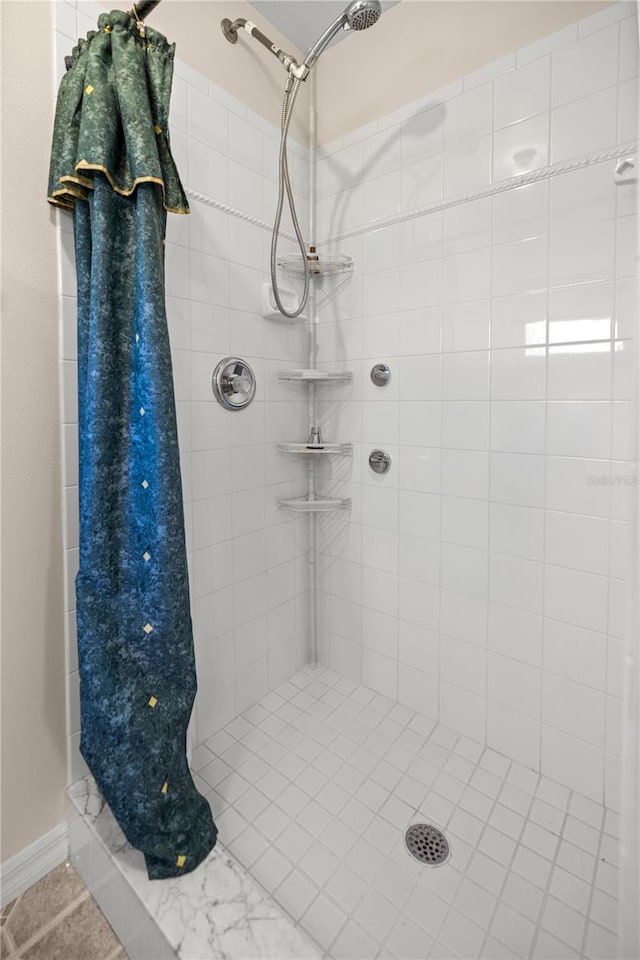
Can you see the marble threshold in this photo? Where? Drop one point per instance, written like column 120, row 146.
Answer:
column 217, row 911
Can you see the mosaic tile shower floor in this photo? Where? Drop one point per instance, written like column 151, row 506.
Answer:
column 314, row 787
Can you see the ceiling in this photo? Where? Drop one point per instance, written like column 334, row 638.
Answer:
column 303, row 21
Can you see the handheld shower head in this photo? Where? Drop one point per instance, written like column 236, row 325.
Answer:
column 359, row 15
column 362, row 14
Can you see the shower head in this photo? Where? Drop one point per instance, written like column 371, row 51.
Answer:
column 359, row 15
column 362, row 14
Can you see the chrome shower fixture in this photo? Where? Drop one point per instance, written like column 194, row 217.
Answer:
column 359, row 15
column 291, row 65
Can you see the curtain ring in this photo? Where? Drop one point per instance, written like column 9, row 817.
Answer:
column 139, row 22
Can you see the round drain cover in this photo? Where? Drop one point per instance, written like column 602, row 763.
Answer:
column 427, row 844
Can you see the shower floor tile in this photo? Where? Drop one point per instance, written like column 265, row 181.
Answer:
column 314, row 788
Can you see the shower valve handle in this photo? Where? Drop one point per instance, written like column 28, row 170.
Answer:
column 238, row 383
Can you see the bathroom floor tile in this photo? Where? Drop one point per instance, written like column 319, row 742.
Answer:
column 83, row 933
column 40, row 904
column 57, row 918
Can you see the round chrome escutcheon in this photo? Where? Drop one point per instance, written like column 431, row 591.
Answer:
column 234, row 383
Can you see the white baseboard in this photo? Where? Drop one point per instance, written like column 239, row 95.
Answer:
column 31, row 864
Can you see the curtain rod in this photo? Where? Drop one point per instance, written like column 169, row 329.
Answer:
column 139, row 11
column 144, row 8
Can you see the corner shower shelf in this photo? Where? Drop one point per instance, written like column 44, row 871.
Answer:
column 316, row 376
column 301, row 505
column 342, row 449
column 322, row 268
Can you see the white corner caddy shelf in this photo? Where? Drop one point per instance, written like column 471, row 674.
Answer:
column 327, row 274
column 324, row 268
column 301, row 446
column 332, row 271
column 326, row 505
column 316, row 376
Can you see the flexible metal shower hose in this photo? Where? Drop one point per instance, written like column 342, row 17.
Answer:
column 284, row 185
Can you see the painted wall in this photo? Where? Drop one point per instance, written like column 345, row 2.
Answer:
column 484, row 578
column 420, row 46
column 33, row 710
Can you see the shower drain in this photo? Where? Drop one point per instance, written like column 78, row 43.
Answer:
column 427, row 844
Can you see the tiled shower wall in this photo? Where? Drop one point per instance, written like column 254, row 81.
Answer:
column 483, row 579
column 248, row 570
column 247, row 556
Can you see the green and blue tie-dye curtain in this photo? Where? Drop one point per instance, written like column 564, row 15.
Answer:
column 111, row 164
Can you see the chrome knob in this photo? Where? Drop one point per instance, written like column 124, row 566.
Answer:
column 379, row 461
column 380, row 374
column 233, row 383
column 236, row 383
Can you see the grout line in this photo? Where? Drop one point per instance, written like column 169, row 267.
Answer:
column 545, row 464
column 490, row 364
column 508, row 869
column 547, row 889
column 116, row 953
column 610, row 519
column 583, row 948
column 443, row 453
column 58, row 920
column 474, row 847
column 7, row 933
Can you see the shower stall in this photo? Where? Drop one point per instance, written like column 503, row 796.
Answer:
column 413, row 553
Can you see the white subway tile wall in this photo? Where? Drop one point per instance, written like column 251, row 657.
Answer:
column 483, row 579
column 247, row 557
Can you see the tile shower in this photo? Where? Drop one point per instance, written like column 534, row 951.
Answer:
column 484, row 575
column 472, row 602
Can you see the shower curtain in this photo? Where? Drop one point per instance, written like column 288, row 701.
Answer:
column 111, row 164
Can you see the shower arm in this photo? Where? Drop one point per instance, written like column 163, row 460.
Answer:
column 298, row 70
column 230, row 29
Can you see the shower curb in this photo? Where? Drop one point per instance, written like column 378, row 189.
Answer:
column 216, row 911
